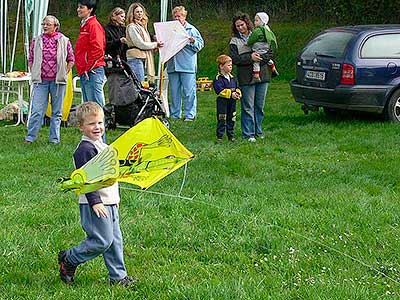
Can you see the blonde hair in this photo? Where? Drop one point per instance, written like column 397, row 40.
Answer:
column 114, row 13
column 223, row 59
column 180, row 9
column 87, row 109
column 131, row 18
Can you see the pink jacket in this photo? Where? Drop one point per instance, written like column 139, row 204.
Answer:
column 48, row 44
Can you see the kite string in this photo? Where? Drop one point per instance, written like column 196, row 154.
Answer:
column 157, row 193
column 230, row 211
column 183, row 180
column 307, row 238
column 310, row 239
column 165, row 194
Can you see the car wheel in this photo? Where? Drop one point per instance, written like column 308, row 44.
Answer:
column 165, row 122
column 331, row 112
column 392, row 109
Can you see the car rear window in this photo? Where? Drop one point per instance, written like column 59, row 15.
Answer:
column 382, row 46
column 331, row 44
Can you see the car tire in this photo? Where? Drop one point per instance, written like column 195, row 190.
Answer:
column 166, row 123
column 331, row 112
column 392, row 109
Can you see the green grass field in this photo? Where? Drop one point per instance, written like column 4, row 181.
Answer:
column 310, row 212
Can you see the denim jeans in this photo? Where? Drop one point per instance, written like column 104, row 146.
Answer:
column 137, row 66
column 40, row 98
column 103, row 237
column 252, row 109
column 92, row 89
column 185, row 83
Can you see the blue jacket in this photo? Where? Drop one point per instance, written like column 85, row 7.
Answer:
column 224, row 87
column 186, row 59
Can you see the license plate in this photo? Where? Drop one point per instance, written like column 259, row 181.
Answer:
column 315, row 75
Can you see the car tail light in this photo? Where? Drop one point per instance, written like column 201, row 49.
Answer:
column 347, row 74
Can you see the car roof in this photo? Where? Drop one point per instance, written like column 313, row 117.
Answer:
column 366, row 28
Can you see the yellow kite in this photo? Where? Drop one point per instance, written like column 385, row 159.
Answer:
column 142, row 156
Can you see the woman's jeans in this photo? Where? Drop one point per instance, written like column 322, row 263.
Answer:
column 40, row 100
column 137, row 66
column 92, row 89
column 252, row 109
column 183, row 84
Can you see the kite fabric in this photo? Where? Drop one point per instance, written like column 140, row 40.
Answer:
column 142, row 156
column 101, row 171
column 174, row 37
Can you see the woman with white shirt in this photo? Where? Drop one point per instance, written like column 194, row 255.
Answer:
column 140, row 53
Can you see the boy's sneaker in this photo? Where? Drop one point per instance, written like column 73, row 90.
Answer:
column 232, row 140
column 251, row 139
column 219, row 140
column 126, row 282
column 67, row 270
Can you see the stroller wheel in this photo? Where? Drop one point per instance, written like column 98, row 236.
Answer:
column 165, row 122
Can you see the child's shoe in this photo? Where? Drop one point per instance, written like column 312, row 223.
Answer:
column 67, row 270
column 125, row 282
column 232, row 139
column 219, row 140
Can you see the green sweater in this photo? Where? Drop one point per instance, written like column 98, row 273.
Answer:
column 262, row 34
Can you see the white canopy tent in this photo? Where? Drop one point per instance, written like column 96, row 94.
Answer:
column 34, row 12
column 35, row 8
column 38, row 10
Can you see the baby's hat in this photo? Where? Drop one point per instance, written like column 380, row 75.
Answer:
column 264, row 17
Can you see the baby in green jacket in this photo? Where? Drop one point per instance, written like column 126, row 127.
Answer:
column 262, row 39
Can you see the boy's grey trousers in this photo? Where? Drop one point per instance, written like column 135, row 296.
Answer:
column 103, row 236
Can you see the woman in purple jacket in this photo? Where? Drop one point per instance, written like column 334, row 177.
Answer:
column 50, row 59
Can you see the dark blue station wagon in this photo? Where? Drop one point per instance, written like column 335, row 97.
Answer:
column 352, row 68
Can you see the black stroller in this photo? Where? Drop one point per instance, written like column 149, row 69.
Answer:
column 130, row 102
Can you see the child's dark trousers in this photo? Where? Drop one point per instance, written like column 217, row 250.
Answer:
column 226, row 117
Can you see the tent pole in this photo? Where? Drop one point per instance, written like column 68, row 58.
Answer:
column 15, row 37
column 14, row 47
column 3, row 31
column 3, row 41
column 161, row 74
